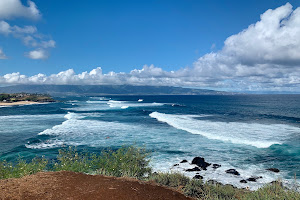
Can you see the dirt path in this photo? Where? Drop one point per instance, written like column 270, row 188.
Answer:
column 70, row 185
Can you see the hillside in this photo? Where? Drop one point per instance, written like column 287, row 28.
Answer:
column 107, row 90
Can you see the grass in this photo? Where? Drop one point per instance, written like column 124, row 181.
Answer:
column 134, row 162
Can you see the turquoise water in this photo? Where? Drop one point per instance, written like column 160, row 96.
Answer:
column 247, row 132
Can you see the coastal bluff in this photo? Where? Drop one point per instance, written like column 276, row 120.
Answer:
column 77, row 186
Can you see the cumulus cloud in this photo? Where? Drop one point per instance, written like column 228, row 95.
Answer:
column 30, row 37
column 37, row 54
column 2, row 55
column 264, row 56
column 27, row 34
column 14, row 8
column 6, row 29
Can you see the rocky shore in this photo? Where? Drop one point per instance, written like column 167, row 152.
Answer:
column 197, row 167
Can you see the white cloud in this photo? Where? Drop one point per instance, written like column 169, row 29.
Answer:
column 14, row 8
column 30, row 37
column 5, row 28
column 48, row 44
column 37, row 54
column 265, row 56
column 2, row 55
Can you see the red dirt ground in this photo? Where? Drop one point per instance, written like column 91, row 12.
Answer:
column 71, row 185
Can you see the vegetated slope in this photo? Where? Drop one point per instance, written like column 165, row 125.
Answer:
column 107, row 89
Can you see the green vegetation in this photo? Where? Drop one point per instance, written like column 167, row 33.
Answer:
column 134, row 162
column 25, row 97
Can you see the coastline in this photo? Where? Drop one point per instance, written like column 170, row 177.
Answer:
column 18, row 103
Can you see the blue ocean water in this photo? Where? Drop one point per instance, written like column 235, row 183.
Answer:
column 247, row 132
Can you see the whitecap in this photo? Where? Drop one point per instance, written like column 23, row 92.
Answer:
column 254, row 134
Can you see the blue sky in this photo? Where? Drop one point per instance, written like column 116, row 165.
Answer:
column 121, row 36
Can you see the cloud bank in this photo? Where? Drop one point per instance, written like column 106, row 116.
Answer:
column 263, row 57
column 28, row 34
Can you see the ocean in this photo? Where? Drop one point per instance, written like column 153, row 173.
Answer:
column 249, row 133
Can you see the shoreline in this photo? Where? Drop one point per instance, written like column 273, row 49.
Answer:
column 18, row 103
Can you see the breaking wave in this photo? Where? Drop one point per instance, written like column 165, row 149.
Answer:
column 254, row 134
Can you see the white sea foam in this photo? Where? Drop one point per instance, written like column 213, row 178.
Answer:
column 76, row 127
column 98, row 102
column 73, row 101
column 258, row 135
column 29, row 117
column 100, row 98
column 127, row 104
column 72, row 115
column 46, row 145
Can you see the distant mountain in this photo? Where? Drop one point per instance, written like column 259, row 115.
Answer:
column 68, row 90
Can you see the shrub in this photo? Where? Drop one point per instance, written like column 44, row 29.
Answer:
column 126, row 161
column 22, row 168
column 70, row 160
column 170, row 179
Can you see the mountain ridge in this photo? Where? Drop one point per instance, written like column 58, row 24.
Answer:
column 69, row 90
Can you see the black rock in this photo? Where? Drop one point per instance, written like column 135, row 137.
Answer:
column 184, row 161
column 254, row 178
column 198, row 177
column 243, row 181
column 273, row 170
column 200, row 162
column 193, row 170
column 232, row 171
column 175, row 165
column 215, row 166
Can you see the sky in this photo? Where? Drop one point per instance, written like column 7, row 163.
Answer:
column 232, row 45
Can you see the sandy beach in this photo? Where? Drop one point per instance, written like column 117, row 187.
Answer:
column 18, row 103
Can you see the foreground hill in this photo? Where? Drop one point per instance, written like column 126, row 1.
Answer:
column 107, row 90
column 71, row 185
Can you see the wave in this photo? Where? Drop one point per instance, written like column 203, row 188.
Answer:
column 30, row 117
column 72, row 115
column 46, row 145
column 76, row 128
column 100, row 98
column 254, row 134
column 98, row 102
column 127, row 104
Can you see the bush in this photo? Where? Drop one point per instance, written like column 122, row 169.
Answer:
column 22, row 168
column 126, row 161
column 272, row 191
column 70, row 160
column 170, row 179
